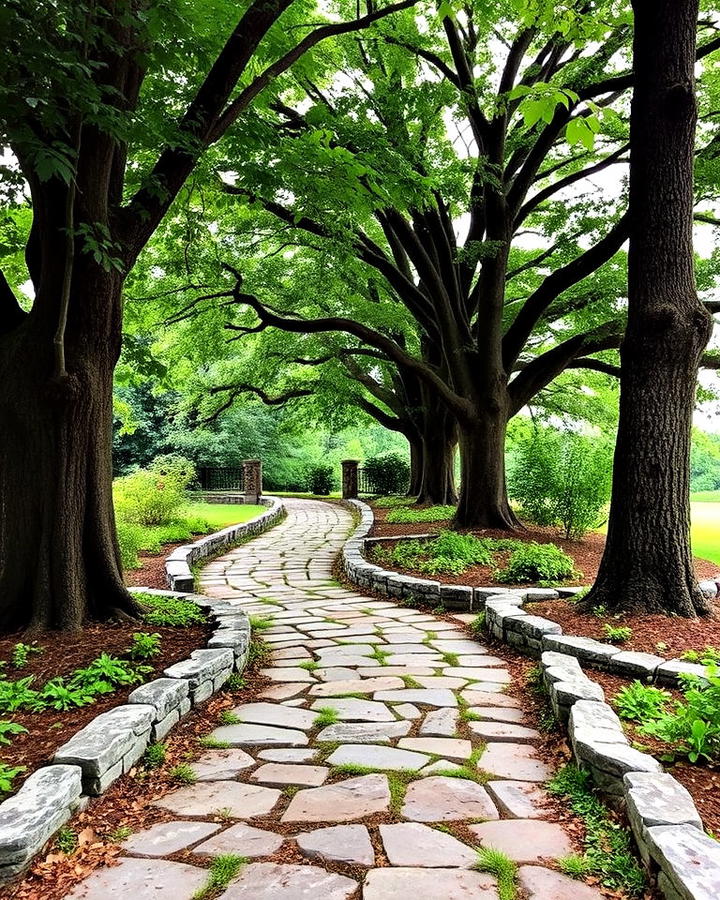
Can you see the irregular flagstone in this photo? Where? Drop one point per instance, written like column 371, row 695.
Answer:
column 519, row 799
column 440, row 723
column 156, row 878
column 248, row 735
column 479, row 695
column 457, row 647
column 221, row 765
column 495, row 676
column 426, row 696
column 525, row 840
column 361, row 650
column 452, row 748
column 442, row 799
column 407, row 711
column 337, row 673
column 276, row 881
column 340, row 843
column 293, row 675
column 274, row 714
column 282, row 691
column 428, row 884
column 205, row 799
column 399, row 670
column 413, row 844
column 242, row 840
column 343, row 801
column 406, row 660
column 441, row 681
column 168, row 837
column 357, row 686
column 375, row 757
column 539, row 883
column 364, row 732
column 352, row 709
column 288, row 755
column 498, row 714
column 503, row 731
column 285, row 773
column 517, row 762
column 440, row 767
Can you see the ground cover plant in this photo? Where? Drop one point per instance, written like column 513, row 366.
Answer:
column 450, row 553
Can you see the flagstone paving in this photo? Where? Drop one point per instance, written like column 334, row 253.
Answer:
column 336, row 783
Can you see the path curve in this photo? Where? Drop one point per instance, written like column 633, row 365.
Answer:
column 341, row 780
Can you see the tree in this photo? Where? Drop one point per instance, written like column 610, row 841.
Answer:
column 88, row 92
column 373, row 175
column 647, row 564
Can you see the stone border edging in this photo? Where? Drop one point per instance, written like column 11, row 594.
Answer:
column 664, row 820
column 506, row 620
column 111, row 743
column 178, row 572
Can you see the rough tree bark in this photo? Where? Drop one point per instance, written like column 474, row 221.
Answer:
column 647, row 565
column 439, row 439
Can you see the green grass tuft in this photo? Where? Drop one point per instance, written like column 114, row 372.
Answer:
column 327, row 715
column 183, row 774
column 502, row 867
column 222, row 871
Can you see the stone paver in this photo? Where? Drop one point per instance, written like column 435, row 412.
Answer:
column 311, row 762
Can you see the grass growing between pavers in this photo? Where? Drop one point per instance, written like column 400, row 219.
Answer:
column 502, row 867
column 261, row 623
column 327, row 715
column 398, row 780
column 608, row 846
column 212, row 743
column 227, row 717
column 183, row 774
column 222, row 871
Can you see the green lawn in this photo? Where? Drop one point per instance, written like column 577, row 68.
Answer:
column 705, row 525
column 222, row 514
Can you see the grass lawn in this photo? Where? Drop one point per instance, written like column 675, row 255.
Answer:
column 221, row 515
column 705, row 525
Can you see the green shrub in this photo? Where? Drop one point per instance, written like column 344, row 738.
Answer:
column 130, row 539
column 154, row 755
column 144, row 645
column 693, row 724
column 155, row 495
column 388, row 474
column 640, row 702
column 58, row 695
column 448, row 553
column 708, row 656
column 106, row 673
column 406, row 514
column 537, row 562
column 562, row 478
column 320, row 479
column 617, row 634
column 392, row 502
column 173, row 611
column 18, row 694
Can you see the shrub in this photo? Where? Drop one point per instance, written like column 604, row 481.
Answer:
column 562, row 478
column 708, row 656
column 617, row 634
column 537, row 562
column 160, row 610
column 155, row 495
column 320, row 479
column 403, row 515
column 387, row 474
column 130, row 539
column 449, row 553
column 144, row 645
column 640, row 702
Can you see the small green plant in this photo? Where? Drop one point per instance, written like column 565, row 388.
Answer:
column 10, row 728
column 222, row 871
column 227, row 717
column 236, row 682
column 8, row 774
column 66, row 840
column 18, row 694
column 708, row 656
column 212, row 743
column 477, row 626
column 144, row 645
column 533, row 562
column 57, row 695
column 261, row 623
column 224, row 814
column 327, row 715
column 404, row 514
column 617, row 634
column 502, row 867
column 171, row 611
column 119, row 834
column 183, row 773
column 575, row 866
column 154, row 756
column 21, row 654
column 106, row 673
column 258, row 652
column 599, row 611
column 640, row 702
column 309, row 664
column 608, row 847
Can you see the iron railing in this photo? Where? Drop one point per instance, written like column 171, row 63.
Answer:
column 226, row 478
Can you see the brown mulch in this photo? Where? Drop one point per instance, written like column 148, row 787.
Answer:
column 663, row 635
column 151, row 573
column 585, row 553
column 61, row 654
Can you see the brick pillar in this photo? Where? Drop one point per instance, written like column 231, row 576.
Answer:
column 350, row 479
column 252, row 475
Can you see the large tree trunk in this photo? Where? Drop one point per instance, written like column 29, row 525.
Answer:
column 416, row 467
column 647, row 564
column 59, row 558
column 483, row 499
column 437, row 486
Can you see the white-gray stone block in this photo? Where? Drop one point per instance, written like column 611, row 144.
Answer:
column 202, row 666
column 164, row 694
column 583, row 648
column 689, row 861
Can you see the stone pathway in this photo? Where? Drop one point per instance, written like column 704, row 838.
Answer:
column 340, row 781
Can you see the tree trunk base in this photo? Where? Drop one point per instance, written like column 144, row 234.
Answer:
column 648, row 595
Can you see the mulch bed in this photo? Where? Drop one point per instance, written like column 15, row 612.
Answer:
column 62, row 653
column 151, row 573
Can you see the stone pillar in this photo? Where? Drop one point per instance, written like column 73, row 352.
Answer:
column 350, row 479
column 252, row 476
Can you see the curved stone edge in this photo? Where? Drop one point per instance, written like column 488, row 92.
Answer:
column 506, row 619
column 178, row 571
column 113, row 742
column 664, row 820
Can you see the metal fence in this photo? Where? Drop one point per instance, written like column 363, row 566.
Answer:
column 378, row 486
column 228, row 478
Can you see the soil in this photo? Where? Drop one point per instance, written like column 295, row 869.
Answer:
column 663, row 635
column 62, row 654
column 585, row 553
column 151, row 573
